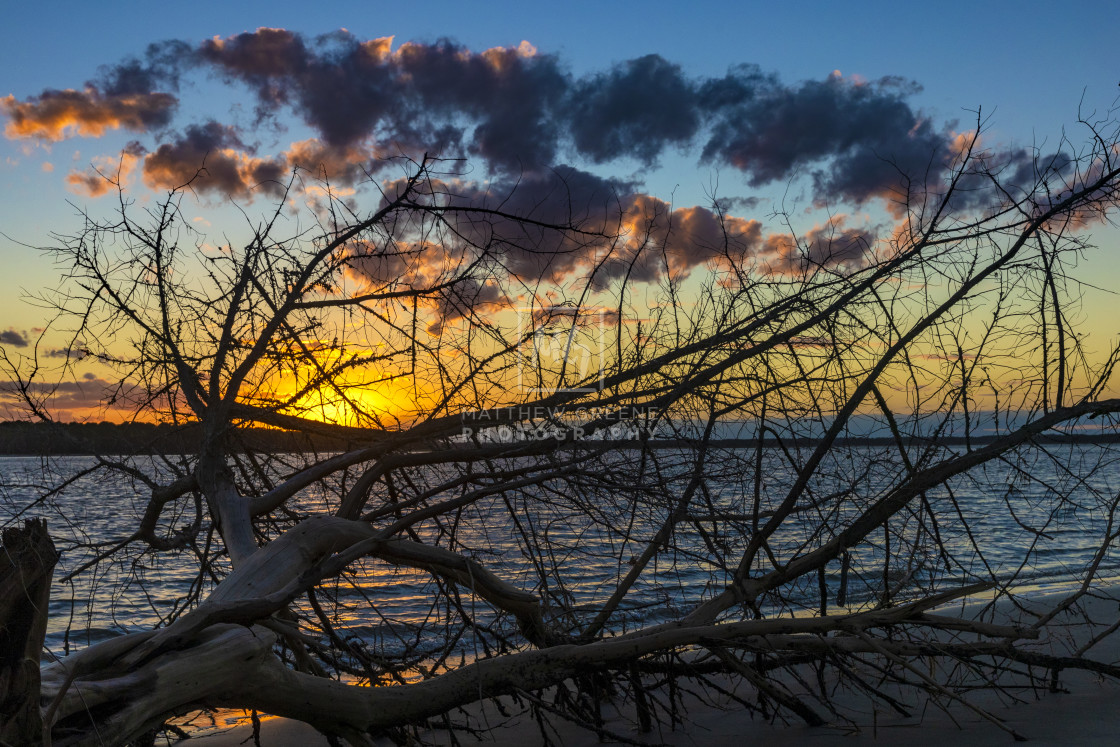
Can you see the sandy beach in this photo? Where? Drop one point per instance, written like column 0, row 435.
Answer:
column 1086, row 711
column 1088, row 715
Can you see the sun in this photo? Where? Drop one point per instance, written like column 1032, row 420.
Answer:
column 367, row 397
column 356, row 407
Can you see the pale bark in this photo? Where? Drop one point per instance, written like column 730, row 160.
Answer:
column 799, row 356
column 232, row 666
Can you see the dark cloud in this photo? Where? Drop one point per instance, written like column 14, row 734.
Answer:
column 510, row 95
column 727, row 204
column 830, row 247
column 466, row 299
column 637, row 109
column 742, row 84
column 511, row 106
column 623, row 233
column 130, row 78
column 14, row 338
column 1019, row 171
column 90, row 183
column 346, row 95
column 658, row 241
column 867, row 133
column 564, row 196
column 17, row 339
column 267, row 60
column 74, row 354
column 519, row 111
column 212, row 158
column 132, row 95
column 259, row 56
column 160, row 69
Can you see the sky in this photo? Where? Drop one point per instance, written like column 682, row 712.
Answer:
column 761, row 105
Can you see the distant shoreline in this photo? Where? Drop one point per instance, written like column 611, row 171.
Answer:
column 90, row 439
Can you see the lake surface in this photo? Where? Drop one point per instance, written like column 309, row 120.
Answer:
column 1042, row 531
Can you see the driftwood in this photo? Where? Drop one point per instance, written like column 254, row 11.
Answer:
column 568, row 566
column 27, row 562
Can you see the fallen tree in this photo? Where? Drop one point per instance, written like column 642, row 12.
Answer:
column 574, row 478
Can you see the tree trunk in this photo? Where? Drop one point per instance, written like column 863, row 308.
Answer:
column 27, row 562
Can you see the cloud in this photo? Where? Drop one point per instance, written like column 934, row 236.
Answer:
column 123, row 96
column 534, row 250
column 448, row 282
column 68, row 400
column 866, row 132
column 344, row 165
column 510, row 106
column 659, row 241
column 212, row 158
column 14, row 338
column 628, row 233
column 509, row 95
column 833, row 247
column 579, row 226
column 638, row 109
column 93, row 183
column 54, row 115
column 106, row 173
column 161, row 67
column 398, row 264
column 259, row 57
column 75, row 354
column 1019, row 172
column 466, row 299
column 520, row 112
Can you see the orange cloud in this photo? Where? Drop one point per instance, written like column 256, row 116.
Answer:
column 339, row 164
column 105, row 175
column 210, row 158
column 831, row 246
column 658, row 238
column 228, row 171
column 378, row 49
column 503, row 59
column 54, row 115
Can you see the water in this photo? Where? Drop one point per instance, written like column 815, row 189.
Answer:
column 1040, row 518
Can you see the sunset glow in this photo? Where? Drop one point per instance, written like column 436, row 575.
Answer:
column 728, row 167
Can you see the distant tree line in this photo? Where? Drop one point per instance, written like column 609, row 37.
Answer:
column 22, row 438
column 59, row 439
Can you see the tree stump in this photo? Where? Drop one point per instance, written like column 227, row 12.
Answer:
column 27, row 561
